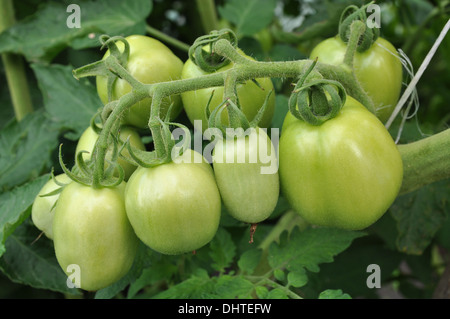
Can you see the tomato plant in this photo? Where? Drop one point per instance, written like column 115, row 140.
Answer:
column 149, row 61
column 346, row 205
column 344, row 173
column 174, row 208
column 378, row 69
column 91, row 230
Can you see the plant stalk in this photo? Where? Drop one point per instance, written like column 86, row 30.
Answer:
column 425, row 161
column 167, row 39
column 208, row 15
column 14, row 67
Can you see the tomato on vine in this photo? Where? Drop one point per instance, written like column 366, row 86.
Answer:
column 91, row 230
column 378, row 69
column 43, row 208
column 174, row 207
column 89, row 137
column 251, row 96
column 246, row 170
column 149, row 61
column 343, row 173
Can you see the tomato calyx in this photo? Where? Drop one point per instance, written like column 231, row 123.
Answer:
column 209, row 60
column 315, row 99
column 351, row 16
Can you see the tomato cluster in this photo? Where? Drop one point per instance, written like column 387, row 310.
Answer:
column 344, row 173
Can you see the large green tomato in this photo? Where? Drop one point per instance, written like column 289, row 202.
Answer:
column 89, row 138
column 251, row 97
column 378, row 69
column 246, row 170
column 150, row 61
column 175, row 207
column 92, row 232
column 344, row 173
column 43, row 209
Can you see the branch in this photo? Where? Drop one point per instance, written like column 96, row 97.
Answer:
column 425, row 161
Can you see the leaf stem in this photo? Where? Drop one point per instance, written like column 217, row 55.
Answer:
column 357, row 29
column 208, row 15
column 167, row 39
column 14, row 67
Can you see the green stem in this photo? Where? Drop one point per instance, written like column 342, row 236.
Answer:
column 425, row 161
column 208, row 15
column 167, row 39
column 102, row 144
column 14, row 67
column 357, row 29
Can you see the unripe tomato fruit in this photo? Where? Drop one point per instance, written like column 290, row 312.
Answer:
column 89, row 138
column 43, row 209
column 251, row 97
column 175, row 207
column 246, row 170
column 150, row 61
column 378, row 69
column 344, row 173
column 91, row 230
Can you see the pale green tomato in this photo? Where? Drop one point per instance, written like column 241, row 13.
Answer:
column 251, row 97
column 150, row 61
column 379, row 70
column 246, row 170
column 175, row 207
column 89, row 138
column 43, row 209
column 344, row 173
column 92, row 232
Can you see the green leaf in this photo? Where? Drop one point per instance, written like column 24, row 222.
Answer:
column 69, row 102
column 223, row 250
column 420, row 215
column 14, row 207
column 249, row 16
column 231, row 287
column 297, row 278
column 307, row 249
column 25, row 149
column 32, row 262
column 334, row 294
column 199, row 285
column 249, row 260
column 41, row 36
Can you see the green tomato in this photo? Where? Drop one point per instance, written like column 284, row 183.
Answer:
column 175, row 207
column 379, row 70
column 150, row 61
column 91, row 231
column 43, row 209
column 344, row 173
column 246, row 170
column 89, row 138
column 251, row 97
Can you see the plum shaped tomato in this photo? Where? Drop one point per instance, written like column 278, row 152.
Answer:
column 378, row 69
column 251, row 97
column 174, row 207
column 91, row 231
column 89, row 138
column 246, row 170
column 344, row 173
column 43, row 209
column 150, row 61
